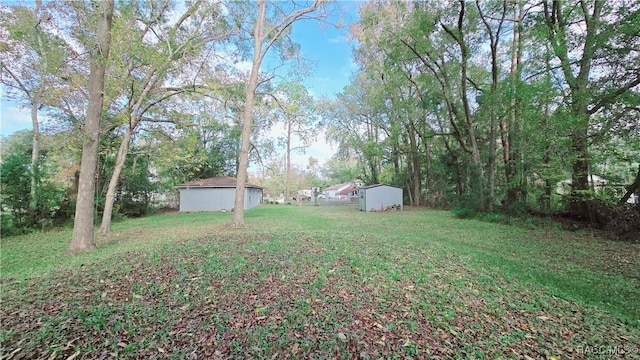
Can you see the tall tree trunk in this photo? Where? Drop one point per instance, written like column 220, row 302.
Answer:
column 262, row 42
column 105, row 226
column 491, row 165
column 557, row 23
column 494, row 41
column 409, row 180
column 247, row 121
column 409, row 187
column 546, row 158
column 35, row 145
column 458, row 36
column 430, row 186
column 509, row 133
column 82, row 238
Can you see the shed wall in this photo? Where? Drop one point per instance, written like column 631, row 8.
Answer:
column 252, row 197
column 380, row 196
column 206, row 199
column 216, row 199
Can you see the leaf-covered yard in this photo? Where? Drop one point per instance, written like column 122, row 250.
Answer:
column 321, row 282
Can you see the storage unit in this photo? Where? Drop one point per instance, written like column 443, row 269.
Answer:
column 216, row 194
column 380, row 197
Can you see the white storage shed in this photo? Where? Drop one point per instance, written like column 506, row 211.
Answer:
column 216, row 194
column 380, row 197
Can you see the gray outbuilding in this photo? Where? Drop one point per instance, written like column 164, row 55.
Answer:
column 216, row 194
column 380, row 197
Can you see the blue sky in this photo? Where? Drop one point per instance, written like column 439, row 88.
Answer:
column 329, row 49
column 326, row 46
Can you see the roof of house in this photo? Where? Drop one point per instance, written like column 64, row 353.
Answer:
column 337, row 187
column 376, row 185
column 347, row 191
column 215, row 182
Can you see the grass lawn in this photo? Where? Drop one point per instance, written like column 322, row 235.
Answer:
column 321, row 283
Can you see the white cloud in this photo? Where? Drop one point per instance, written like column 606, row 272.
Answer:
column 243, row 66
column 13, row 118
column 319, row 149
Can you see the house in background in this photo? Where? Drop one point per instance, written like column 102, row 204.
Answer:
column 347, row 193
column 380, row 197
column 216, row 194
column 332, row 191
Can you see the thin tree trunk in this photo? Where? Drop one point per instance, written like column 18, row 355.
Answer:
column 468, row 116
column 287, row 180
column 415, row 174
column 494, row 124
column 634, row 187
column 494, row 41
column 429, row 176
column 509, row 134
column 247, row 121
column 105, row 226
column 546, row 158
column 494, row 117
column 82, row 238
column 35, row 157
column 35, row 145
column 262, row 42
column 409, row 189
column 409, row 180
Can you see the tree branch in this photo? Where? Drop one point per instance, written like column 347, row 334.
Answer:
column 611, row 97
column 283, row 25
column 20, row 86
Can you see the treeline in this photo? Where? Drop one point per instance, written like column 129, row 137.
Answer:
column 484, row 105
column 496, row 105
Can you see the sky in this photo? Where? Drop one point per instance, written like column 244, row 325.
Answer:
column 330, row 51
column 324, row 45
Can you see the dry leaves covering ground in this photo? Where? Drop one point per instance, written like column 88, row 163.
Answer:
column 384, row 287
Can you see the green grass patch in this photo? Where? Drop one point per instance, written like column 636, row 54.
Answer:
column 320, row 282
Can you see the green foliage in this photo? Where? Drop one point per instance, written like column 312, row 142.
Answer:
column 340, row 172
column 134, row 191
column 495, row 218
column 206, row 151
column 517, row 208
column 16, row 181
column 136, row 184
column 52, row 208
column 464, row 212
column 531, row 125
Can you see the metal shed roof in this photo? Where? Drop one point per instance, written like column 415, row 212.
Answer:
column 376, row 185
column 216, row 182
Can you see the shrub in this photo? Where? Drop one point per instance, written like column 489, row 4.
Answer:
column 464, row 212
column 15, row 177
